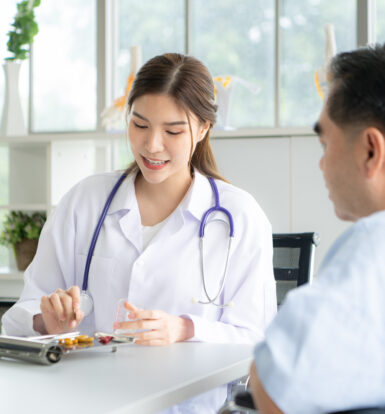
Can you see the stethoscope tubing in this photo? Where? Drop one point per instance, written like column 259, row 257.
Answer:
column 216, row 207
column 211, row 301
column 97, row 231
column 86, row 298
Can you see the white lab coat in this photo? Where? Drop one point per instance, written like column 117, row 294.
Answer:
column 167, row 274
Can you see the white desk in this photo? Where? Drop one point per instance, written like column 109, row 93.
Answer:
column 135, row 379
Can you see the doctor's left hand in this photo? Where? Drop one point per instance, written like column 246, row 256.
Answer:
column 161, row 328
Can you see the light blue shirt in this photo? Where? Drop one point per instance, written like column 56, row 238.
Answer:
column 325, row 350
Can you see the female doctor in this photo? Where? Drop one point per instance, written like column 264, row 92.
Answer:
column 148, row 248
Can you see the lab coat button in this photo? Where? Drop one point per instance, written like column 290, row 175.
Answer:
column 139, row 263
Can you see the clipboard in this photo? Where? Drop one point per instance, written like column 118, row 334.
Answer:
column 49, row 349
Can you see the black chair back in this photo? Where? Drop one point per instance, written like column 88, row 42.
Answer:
column 293, row 260
column 243, row 400
column 373, row 410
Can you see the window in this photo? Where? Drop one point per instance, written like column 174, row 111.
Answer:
column 380, row 22
column 157, row 26
column 302, row 52
column 236, row 39
column 268, row 48
column 64, row 66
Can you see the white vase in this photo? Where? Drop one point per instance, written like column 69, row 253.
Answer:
column 136, row 59
column 224, row 104
column 12, row 122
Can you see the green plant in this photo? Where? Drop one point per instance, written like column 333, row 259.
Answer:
column 25, row 28
column 19, row 225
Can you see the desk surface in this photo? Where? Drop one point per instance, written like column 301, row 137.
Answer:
column 135, row 379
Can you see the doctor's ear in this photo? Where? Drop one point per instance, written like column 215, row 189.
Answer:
column 203, row 130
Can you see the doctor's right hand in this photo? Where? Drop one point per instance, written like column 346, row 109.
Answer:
column 60, row 311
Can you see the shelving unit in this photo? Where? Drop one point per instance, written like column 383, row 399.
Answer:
column 11, row 284
column 41, row 169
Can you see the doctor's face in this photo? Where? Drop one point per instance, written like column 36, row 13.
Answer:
column 339, row 167
column 160, row 138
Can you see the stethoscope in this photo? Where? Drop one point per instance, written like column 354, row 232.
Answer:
column 87, row 303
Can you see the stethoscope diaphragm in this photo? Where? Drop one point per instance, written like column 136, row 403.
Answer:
column 86, row 303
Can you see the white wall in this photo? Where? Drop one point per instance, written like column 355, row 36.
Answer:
column 284, row 177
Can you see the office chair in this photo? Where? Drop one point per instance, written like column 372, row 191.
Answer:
column 243, row 401
column 293, row 257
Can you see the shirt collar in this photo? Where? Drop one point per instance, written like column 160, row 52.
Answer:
column 197, row 200
column 199, row 197
column 125, row 197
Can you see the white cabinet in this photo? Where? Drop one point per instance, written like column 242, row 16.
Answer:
column 27, row 176
column 260, row 166
column 38, row 170
column 284, row 177
column 73, row 160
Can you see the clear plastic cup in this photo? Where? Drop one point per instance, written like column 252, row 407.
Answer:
column 122, row 316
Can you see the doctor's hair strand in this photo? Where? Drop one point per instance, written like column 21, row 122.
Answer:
column 190, row 84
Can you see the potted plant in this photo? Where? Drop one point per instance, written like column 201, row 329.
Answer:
column 21, row 231
column 19, row 38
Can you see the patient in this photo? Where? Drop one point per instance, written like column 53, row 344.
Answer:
column 325, row 350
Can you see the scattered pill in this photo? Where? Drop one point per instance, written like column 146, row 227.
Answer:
column 78, row 340
column 105, row 339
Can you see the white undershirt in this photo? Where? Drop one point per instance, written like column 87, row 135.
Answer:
column 149, row 232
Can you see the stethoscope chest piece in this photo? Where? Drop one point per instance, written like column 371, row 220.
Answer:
column 86, row 303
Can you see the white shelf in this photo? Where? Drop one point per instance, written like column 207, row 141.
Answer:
column 263, row 133
column 24, row 207
column 7, row 273
column 93, row 135
column 50, row 137
column 42, row 168
column 11, row 284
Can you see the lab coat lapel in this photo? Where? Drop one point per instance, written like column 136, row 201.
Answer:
column 173, row 224
column 197, row 200
column 200, row 197
column 126, row 206
column 130, row 226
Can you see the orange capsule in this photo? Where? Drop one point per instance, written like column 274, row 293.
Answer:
column 82, row 338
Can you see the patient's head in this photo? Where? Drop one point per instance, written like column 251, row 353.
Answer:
column 351, row 129
column 357, row 95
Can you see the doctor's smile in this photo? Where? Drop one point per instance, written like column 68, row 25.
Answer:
column 154, row 164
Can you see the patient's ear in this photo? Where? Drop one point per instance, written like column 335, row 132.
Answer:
column 373, row 145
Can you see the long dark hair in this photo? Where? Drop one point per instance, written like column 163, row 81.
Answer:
column 189, row 82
